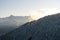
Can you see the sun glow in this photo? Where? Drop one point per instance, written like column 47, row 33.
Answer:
column 36, row 14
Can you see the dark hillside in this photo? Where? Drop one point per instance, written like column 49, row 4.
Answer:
column 47, row 28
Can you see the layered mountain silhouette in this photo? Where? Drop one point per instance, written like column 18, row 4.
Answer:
column 46, row 28
column 10, row 23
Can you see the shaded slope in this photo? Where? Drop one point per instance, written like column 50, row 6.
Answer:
column 47, row 28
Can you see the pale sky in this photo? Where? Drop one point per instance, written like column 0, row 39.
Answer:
column 24, row 7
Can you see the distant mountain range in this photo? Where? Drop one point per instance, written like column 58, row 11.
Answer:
column 9, row 23
column 47, row 28
column 14, row 20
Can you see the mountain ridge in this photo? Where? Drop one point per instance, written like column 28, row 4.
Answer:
column 46, row 28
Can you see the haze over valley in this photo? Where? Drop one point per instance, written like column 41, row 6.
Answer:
column 10, row 23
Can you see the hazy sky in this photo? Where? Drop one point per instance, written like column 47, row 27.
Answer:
column 23, row 7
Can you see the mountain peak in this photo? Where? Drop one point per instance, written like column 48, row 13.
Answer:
column 11, row 16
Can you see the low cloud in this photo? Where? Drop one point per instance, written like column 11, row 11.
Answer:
column 40, row 11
